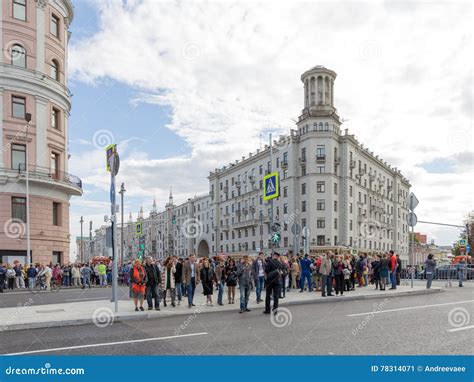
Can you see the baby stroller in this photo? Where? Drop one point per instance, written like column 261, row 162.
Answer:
column 41, row 282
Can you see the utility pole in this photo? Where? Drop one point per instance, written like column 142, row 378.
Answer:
column 121, row 192
column 271, row 200
column 82, row 239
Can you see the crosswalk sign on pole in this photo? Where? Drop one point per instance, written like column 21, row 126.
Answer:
column 138, row 228
column 271, row 186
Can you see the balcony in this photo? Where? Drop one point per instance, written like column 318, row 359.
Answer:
column 320, row 157
column 284, row 165
column 246, row 223
column 58, row 179
column 302, row 160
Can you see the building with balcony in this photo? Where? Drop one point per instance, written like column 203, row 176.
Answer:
column 346, row 197
column 33, row 82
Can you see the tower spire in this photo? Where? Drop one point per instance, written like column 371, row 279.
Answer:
column 171, row 196
column 154, row 204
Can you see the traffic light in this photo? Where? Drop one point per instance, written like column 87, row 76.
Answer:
column 174, row 220
column 141, row 247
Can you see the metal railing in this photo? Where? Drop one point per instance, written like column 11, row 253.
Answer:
column 449, row 274
column 46, row 173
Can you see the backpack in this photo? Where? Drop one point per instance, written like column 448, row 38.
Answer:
column 11, row 273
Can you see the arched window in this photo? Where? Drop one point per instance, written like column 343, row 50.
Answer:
column 320, row 126
column 326, row 127
column 18, row 54
column 55, row 70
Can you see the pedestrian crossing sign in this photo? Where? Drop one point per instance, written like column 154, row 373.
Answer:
column 271, row 186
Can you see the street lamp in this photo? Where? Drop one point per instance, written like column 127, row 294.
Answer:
column 122, row 192
column 82, row 242
column 29, row 256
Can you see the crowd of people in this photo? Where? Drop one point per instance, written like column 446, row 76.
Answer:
column 175, row 279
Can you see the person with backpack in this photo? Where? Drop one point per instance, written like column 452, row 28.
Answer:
column 273, row 269
column 19, row 280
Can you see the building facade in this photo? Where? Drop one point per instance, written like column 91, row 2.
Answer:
column 33, row 83
column 345, row 196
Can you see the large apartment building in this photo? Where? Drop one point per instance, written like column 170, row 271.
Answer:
column 34, row 36
column 347, row 197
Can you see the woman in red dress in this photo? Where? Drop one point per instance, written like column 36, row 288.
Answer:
column 138, row 278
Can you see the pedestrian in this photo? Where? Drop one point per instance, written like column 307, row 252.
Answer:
column 208, row 278
column 245, row 275
column 430, row 266
column 57, row 274
column 284, row 276
column 102, row 271
column 384, row 270
column 152, row 282
column 461, row 267
column 305, row 266
column 295, row 272
column 325, row 270
column 169, row 272
column 67, row 275
column 258, row 271
column 376, row 271
column 139, row 280
column 11, row 274
column 347, row 272
column 191, row 278
column 399, row 269
column 32, row 273
column 393, row 269
column 178, row 277
column 273, row 268
column 3, row 277
column 360, row 270
column 19, row 280
column 75, row 276
column 220, row 279
column 231, row 279
column 338, row 274
column 46, row 273
column 86, row 273
column 353, row 271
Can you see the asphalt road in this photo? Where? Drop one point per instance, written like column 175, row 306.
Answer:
column 439, row 323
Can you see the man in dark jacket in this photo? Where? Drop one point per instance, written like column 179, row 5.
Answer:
column 153, row 281
column 3, row 276
column 273, row 269
column 178, row 279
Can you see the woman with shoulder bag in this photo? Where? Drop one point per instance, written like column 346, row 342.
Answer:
column 231, row 279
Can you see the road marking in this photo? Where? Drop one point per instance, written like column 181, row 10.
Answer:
column 462, row 328
column 409, row 308
column 84, row 299
column 109, row 344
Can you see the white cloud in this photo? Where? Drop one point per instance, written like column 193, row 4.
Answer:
column 230, row 70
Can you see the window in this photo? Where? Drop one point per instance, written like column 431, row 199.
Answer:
column 350, row 208
column 18, row 107
column 320, row 169
column 335, row 206
column 18, row 54
column 55, row 165
column 303, row 189
column 19, row 209
column 57, row 257
column 55, row 113
column 19, row 9
column 303, row 170
column 18, row 157
column 335, row 188
column 56, row 213
column 320, row 187
column 303, row 206
column 54, row 27
column 55, row 70
column 285, row 208
column 320, row 205
column 350, row 191
column 285, row 191
column 303, row 154
column 320, row 152
column 321, row 223
column 335, row 223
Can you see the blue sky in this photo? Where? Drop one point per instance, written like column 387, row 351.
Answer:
column 183, row 89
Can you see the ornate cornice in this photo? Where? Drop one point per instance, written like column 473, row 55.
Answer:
column 42, row 3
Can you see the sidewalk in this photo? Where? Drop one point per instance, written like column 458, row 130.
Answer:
column 101, row 312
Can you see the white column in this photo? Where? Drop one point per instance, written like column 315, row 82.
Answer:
column 324, row 90
column 66, row 143
column 2, row 148
column 1, row 32
column 42, row 152
column 40, row 31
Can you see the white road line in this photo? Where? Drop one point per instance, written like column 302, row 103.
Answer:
column 108, row 344
column 85, row 299
column 461, row 328
column 408, row 308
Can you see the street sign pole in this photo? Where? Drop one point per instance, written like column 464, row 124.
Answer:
column 113, row 163
column 271, row 200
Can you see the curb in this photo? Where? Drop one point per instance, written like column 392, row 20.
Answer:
column 130, row 317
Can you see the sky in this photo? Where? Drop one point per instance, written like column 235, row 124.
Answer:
column 185, row 87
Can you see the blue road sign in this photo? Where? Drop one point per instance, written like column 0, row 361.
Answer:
column 271, row 186
column 468, row 248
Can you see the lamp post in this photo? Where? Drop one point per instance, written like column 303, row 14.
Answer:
column 121, row 192
column 29, row 257
column 82, row 242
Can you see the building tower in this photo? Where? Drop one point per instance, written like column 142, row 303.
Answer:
column 34, row 37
